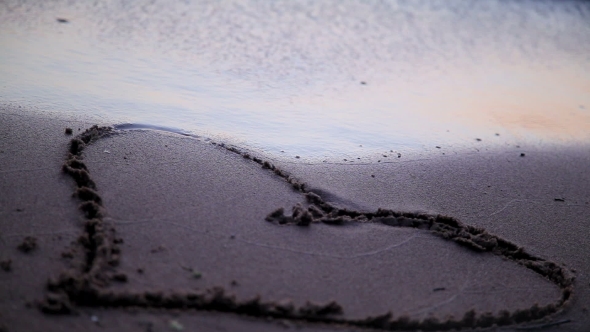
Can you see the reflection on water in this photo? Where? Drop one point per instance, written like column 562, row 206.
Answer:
column 311, row 79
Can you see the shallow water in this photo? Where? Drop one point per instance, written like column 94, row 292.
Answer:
column 317, row 80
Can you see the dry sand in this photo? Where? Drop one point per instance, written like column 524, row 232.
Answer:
column 169, row 222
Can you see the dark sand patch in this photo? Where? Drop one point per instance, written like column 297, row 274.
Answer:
column 28, row 244
column 6, row 265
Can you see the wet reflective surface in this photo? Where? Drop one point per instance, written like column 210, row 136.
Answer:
column 317, row 80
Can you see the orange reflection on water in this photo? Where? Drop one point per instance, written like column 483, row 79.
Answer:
column 549, row 104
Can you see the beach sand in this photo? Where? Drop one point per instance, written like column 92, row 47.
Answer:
column 161, row 222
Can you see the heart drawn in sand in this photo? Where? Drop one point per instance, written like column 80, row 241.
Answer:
column 90, row 284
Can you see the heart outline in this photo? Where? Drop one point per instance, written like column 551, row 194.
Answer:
column 87, row 286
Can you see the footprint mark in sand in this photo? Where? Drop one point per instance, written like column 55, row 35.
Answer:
column 88, row 286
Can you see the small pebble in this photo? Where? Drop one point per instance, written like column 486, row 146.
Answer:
column 175, row 325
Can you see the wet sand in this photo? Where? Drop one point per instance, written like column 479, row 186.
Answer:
column 150, row 230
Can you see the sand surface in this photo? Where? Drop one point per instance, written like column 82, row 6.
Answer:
column 182, row 218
